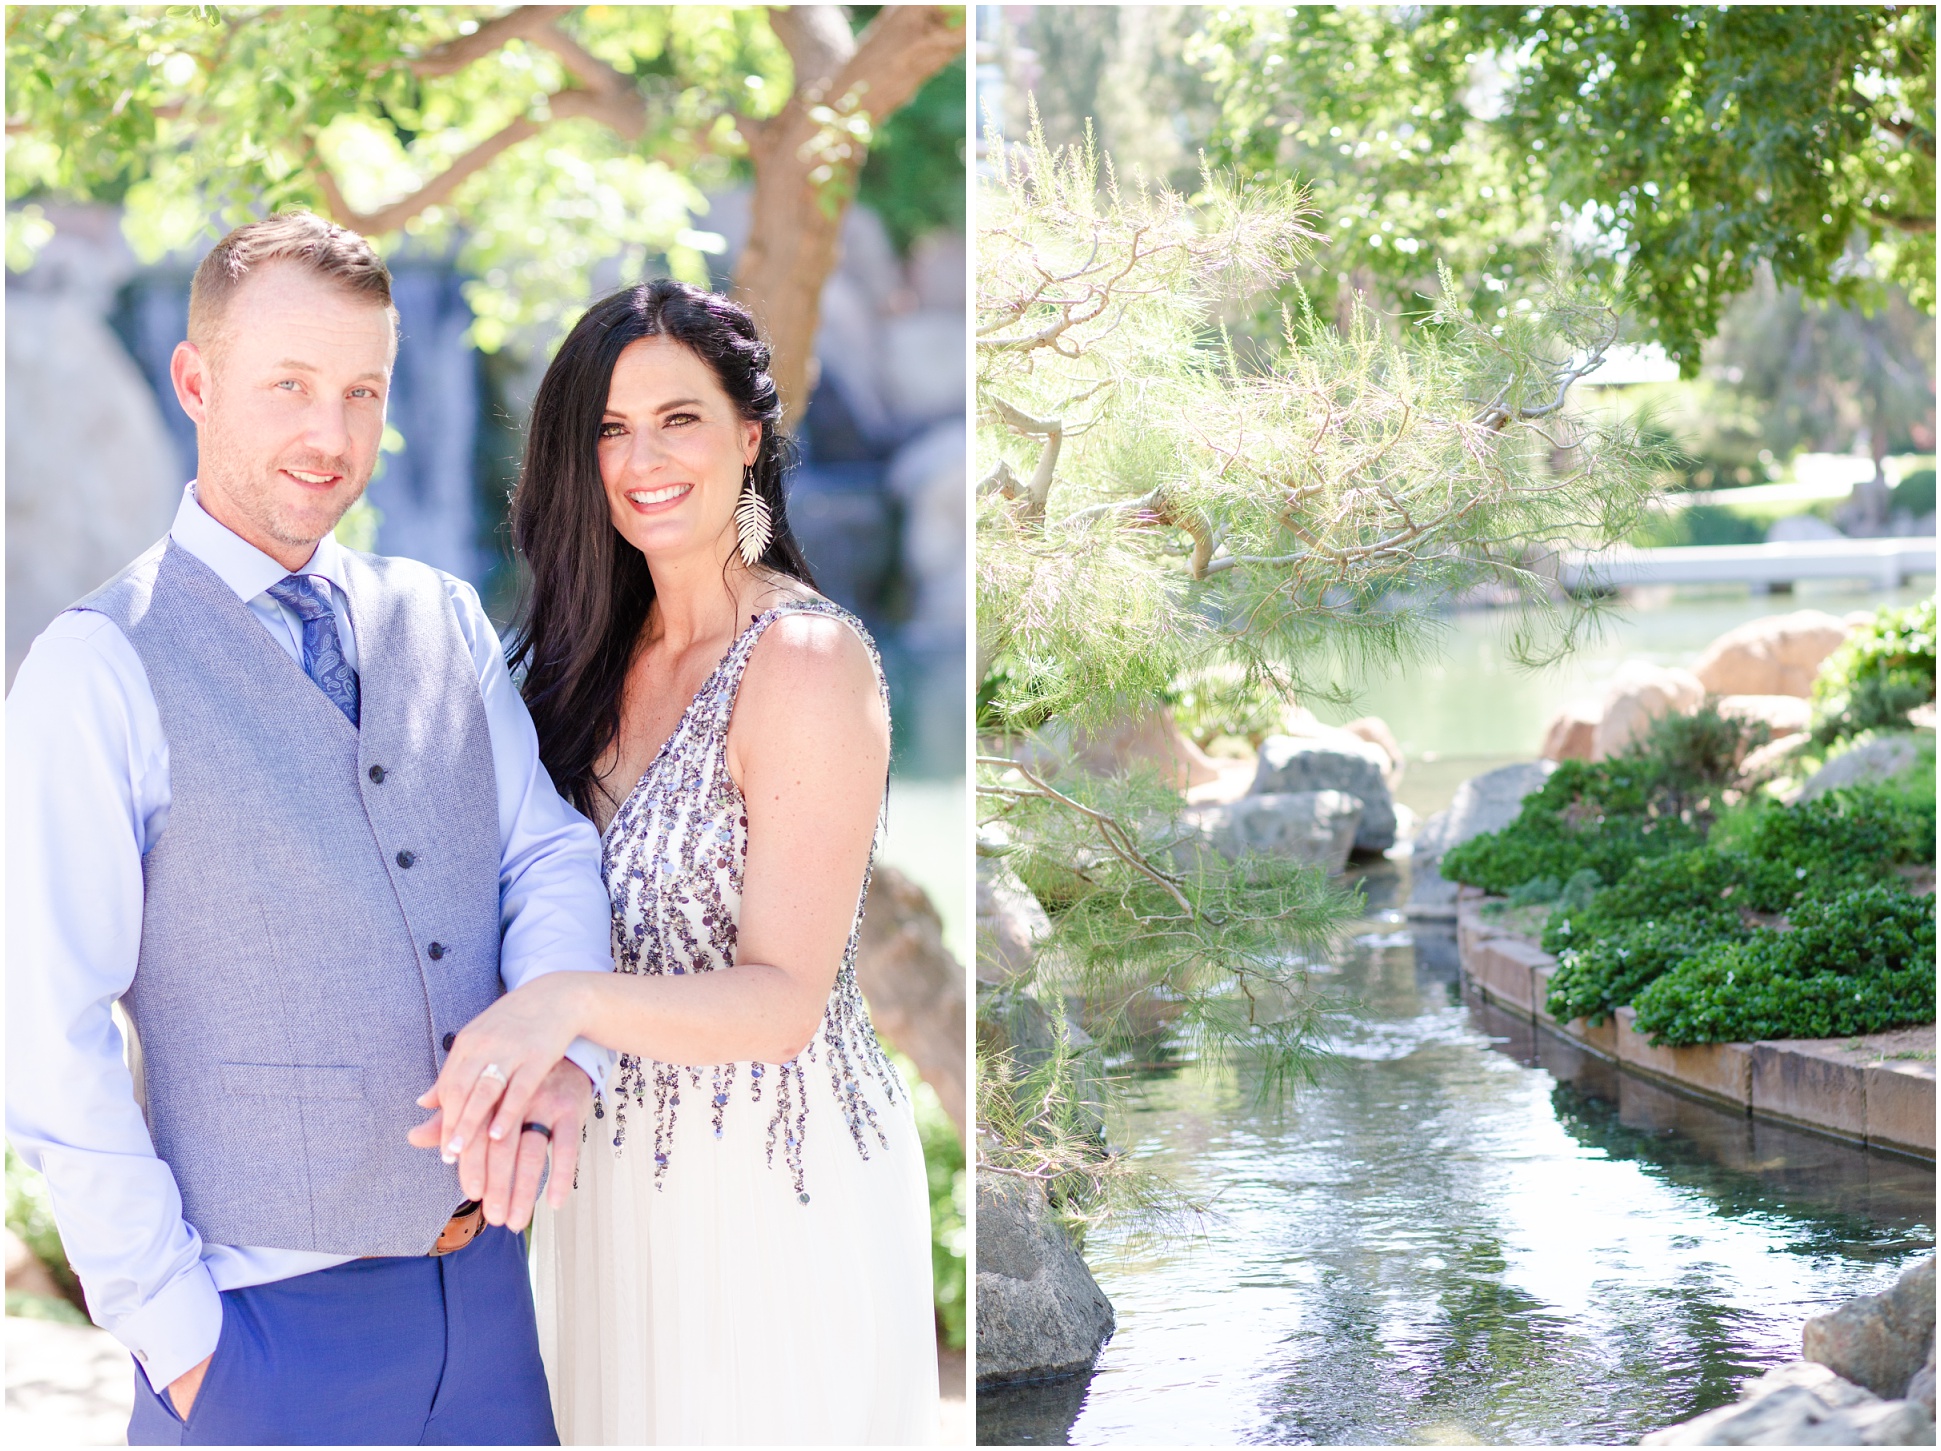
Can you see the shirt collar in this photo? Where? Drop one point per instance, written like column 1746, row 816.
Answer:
column 238, row 563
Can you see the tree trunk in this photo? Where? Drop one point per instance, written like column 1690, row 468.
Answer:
column 807, row 160
column 914, row 986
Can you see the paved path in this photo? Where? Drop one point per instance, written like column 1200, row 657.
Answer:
column 73, row 1385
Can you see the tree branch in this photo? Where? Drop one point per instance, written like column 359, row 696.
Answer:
column 434, row 192
column 604, row 95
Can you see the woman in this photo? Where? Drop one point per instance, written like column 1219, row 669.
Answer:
column 747, row 1256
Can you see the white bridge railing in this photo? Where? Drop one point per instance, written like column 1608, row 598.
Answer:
column 1883, row 563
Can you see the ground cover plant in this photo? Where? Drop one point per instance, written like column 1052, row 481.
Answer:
column 1655, row 799
column 1882, row 671
column 1756, row 920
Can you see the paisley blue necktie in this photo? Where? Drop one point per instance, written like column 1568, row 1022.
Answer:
column 323, row 652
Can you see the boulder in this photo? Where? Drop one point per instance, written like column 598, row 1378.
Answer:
column 1784, row 715
column 1040, row 1314
column 1488, row 802
column 1770, row 759
column 1878, row 759
column 1152, row 741
column 1315, row 827
column 1777, row 655
column 1803, row 1404
column 1879, row 1341
column 1010, row 922
column 93, row 477
column 1015, row 1021
column 1638, row 695
column 1921, row 1388
column 1572, row 732
column 1289, row 765
column 913, row 984
column 1374, row 730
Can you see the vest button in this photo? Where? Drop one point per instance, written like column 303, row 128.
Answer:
column 405, row 859
column 377, row 774
column 435, row 951
column 447, row 1041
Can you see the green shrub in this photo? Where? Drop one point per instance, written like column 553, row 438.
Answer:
column 1914, row 494
column 1848, row 837
column 943, row 1159
column 1698, row 524
column 1657, row 798
column 1882, row 671
column 1859, row 962
column 1671, row 908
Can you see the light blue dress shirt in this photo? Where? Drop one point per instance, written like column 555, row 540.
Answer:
column 87, row 796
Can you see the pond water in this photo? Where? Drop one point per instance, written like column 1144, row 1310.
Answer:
column 1472, row 707
column 1467, row 1232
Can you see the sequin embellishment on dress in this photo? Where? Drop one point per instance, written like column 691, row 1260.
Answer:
column 673, row 857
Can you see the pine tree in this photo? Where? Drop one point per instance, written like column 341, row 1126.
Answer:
column 1169, row 495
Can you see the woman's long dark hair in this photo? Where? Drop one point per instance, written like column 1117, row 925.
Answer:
column 590, row 588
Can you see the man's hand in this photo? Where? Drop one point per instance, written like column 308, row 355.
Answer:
column 510, row 1168
column 183, row 1390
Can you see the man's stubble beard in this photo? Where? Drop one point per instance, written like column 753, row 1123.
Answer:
column 253, row 493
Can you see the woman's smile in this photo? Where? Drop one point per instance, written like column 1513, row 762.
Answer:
column 654, row 501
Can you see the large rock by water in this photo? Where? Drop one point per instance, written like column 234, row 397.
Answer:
column 1777, row 655
column 1879, row 1341
column 1878, row 759
column 1572, row 732
column 1867, row 1380
column 1290, row 765
column 1488, row 802
column 1151, row 741
column 1315, row 827
column 1375, row 730
column 1638, row 695
column 1040, row 1314
column 1804, row 1404
column 1783, row 715
column 1010, row 922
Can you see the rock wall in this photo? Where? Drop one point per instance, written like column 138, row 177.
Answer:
column 93, row 477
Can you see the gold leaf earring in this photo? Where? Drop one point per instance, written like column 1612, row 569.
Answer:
column 752, row 523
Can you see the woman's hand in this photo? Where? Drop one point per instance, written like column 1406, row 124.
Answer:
column 523, row 1035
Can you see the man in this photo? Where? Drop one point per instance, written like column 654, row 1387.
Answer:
column 281, row 801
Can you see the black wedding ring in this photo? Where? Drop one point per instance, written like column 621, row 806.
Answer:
column 540, row 1129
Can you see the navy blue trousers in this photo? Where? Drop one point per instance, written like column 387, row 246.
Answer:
column 401, row 1352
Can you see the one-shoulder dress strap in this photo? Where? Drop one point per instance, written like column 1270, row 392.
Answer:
column 736, row 663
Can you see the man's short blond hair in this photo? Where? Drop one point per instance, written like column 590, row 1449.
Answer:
column 299, row 237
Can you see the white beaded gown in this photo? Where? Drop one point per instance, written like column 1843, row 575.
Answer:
column 746, row 1258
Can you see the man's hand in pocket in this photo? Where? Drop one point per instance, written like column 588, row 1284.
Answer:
column 183, row 1389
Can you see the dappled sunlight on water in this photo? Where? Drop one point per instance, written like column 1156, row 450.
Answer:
column 1462, row 1234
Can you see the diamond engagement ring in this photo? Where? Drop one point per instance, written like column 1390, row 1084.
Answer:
column 492, row 1070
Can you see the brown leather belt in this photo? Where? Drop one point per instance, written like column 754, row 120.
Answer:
column 461, row 1229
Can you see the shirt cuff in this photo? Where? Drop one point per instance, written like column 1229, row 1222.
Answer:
column 591, row 1057
column 175, row 1331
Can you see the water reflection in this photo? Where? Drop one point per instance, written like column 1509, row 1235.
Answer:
column 1466, row 1232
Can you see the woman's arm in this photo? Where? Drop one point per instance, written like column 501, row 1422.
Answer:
column 809, row 747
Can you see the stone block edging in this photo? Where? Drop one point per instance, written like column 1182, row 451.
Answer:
column 1849, row 1089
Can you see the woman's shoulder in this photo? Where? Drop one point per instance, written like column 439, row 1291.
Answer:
column 811, row 641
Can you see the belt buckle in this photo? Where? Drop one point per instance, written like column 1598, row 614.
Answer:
column 461, row 1229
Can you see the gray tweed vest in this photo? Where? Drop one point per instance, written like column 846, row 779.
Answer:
column 321, row 909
